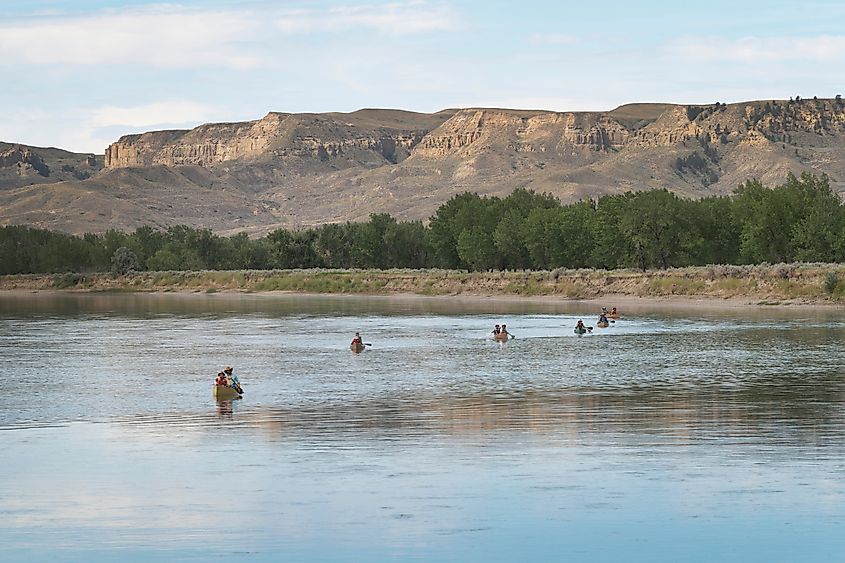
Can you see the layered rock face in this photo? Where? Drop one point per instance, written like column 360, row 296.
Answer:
column 550, row 132
column 372, row 138
column 360, row 138
column 524, row 132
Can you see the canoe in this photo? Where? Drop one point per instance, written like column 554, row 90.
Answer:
column 502, row 337
column 602, row 325
column 580, row 331
column 357, row 347
column 225, row 393
column 615, row 317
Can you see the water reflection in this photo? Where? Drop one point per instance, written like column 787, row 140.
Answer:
column 143, row 305
column 225, row 410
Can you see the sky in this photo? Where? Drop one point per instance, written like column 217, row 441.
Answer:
column 78, row 75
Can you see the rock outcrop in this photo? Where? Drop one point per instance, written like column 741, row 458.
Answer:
column 21, row 165
column 340, row 139
column 336, row 141
column 24, row 160
column 521, row 131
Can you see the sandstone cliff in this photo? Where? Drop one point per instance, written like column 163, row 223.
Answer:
column 365, row 138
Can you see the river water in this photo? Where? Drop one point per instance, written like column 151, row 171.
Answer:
column 674, row 435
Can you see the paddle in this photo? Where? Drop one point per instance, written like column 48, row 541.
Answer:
column 366, row 344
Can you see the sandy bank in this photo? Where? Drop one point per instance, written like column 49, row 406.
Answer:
column 729, row 286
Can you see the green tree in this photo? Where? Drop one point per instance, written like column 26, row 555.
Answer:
column 462, row 212
column 799, row 217
column 164, row 260
column 765, row 216
column 145, row 242
column 654, row 224
column 610, row 248
column 368, row 247
column 333, row 245
column 562, row 237
column 406, row 245
column 475, row 249
column 124, row 261
column 509, row 241
column 816, row 232
column 714, row 231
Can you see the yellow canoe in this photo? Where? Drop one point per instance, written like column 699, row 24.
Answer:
column 225, row 393
column 502, row 337
column 602, row 325
column 357, row 347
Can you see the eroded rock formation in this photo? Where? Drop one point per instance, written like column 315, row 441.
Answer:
column 24, row 160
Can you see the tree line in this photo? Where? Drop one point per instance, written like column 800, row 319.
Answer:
column 802, row 220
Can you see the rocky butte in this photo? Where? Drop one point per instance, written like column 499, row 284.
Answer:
column 296, row 170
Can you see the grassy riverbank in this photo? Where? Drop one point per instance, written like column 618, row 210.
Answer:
column 768, row 284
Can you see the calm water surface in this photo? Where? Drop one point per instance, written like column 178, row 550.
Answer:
column 674, row 435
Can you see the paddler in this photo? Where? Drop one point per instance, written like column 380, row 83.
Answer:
column 233, row 380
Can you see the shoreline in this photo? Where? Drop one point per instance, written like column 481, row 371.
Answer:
column 782, row 285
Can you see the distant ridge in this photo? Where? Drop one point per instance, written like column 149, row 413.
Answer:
column 304, row 169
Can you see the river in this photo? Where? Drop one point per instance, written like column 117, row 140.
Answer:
column 677, row 434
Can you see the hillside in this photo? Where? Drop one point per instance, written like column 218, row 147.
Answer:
column 22, row 165
column 304, row 169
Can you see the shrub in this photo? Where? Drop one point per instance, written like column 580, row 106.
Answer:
column 68, row 280
column 831, row 281
column 124, row 261
column 784, row 271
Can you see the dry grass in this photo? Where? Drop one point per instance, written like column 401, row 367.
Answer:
column 765, row 283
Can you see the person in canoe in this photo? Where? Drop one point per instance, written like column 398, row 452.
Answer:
column 233, row 380
column 496, row 331
column 614, row 314
column 357, row 345
column 579, row 327
column 505, row 332
column 221, row 379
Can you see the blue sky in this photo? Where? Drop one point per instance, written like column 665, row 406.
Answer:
column 79, row 74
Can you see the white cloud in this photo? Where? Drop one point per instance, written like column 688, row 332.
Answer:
column 92, row 129
column 394, row 19
column 159, row 35
column 170, row 112
column 759, row 49
column 44, row 129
